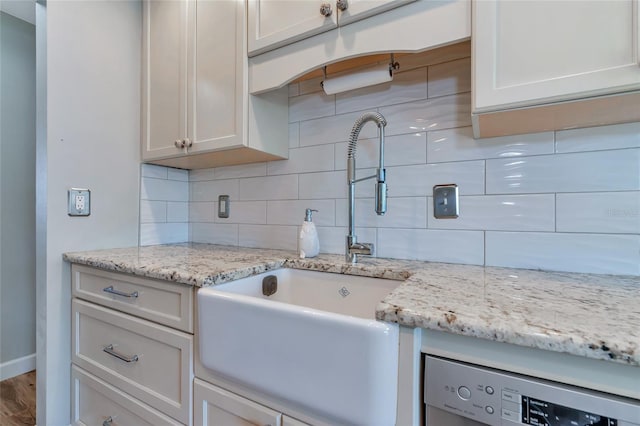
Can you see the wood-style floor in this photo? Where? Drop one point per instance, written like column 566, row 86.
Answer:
column 18, row 400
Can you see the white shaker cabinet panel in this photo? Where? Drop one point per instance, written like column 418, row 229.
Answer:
column 275, row 23
column 164, row 72
column 552, row 65
column 215, row 107
column 535, row 52
column 215, row 406
column 360, row 9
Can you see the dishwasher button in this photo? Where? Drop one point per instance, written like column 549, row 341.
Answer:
column 464, row 392
column 489, row 409
column 489, row 390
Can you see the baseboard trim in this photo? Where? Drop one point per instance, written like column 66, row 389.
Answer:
column 17, row 366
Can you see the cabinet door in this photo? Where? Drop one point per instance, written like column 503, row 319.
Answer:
column 217, row 77
column 534, row 52
column 164, row 115
column 214, row 406
column 275, row 23
column 360, row 9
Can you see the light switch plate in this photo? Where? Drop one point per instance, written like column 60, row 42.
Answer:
column 79, row 202
column 223, row 206
column 445, row 201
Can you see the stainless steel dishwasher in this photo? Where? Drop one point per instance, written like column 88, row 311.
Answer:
column 461, row 394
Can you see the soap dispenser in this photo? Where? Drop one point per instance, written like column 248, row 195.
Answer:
column 309, row 244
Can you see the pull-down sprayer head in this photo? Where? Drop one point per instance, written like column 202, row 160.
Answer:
column 381, row 186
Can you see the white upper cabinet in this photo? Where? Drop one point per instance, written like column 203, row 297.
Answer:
column 532, row 52
column 536, row 52
column 276, row 23
column 414, row 27
column 197, row 111
column 165, row 73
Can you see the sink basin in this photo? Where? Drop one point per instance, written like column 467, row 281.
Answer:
column 314, row 344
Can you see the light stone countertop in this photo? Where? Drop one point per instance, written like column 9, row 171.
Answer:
column 595, row 316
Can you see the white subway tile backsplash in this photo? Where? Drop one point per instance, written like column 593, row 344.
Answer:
column 153, row 171
column 334, row 239
column 596, row 253
column 402, row 212
column 617, row 170
column 214, row 233
column 241, row 171
column 294, row 135
column 164, row 190
column 163, row 233
column 603, row 212
column 253, row 212
column 269, row 188
column 564, row 200
column 292, row 212
column 459, row 145
column 202, row 211
column 269, row 236
column 333, row 129
column 599, row 138
column 500, row 213
column 178, row 174
column 323, row 185
column 304, row 160
column 399, row 150
column 450, row 78
column 201, row 174
column 177, row 212
column 307, row 107
column 153, row 211
column 432, row 114
column 433, row 245
column 406, row 87
column 210, row 190
column 420, row 180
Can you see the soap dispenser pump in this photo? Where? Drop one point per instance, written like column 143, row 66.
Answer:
column 309, row 244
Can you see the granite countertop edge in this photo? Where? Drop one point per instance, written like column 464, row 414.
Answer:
column 411, row 304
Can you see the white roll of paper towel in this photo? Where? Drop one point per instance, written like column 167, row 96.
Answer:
column 367, row 77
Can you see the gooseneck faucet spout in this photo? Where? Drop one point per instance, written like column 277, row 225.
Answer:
column 353, row 248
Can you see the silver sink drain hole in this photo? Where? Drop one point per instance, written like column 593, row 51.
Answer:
column 344, row 292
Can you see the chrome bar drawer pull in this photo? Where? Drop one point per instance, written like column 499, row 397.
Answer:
column 108, row 421
column 111, row 290
column 110, row 351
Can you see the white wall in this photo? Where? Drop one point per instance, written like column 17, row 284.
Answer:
column 567, row 200
column 93, row 56
column 17, row 196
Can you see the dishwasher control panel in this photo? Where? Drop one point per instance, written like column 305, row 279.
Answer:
column 499, row 398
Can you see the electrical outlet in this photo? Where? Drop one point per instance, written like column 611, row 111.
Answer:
column 79, row 202
column 445, row 201
column 223, row 206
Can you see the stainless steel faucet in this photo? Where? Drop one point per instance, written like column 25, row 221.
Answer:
column 353, row 247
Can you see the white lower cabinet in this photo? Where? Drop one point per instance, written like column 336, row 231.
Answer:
column 95, row 402
column 214, row 406
column 128, row 369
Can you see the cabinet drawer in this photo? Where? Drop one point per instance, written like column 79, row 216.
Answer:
column 159, row 301
column 148, row 361
column 94, row 402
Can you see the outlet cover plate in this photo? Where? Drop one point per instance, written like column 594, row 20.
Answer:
column 79, row 202
column 445, row 201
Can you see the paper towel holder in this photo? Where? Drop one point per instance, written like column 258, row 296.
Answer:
column 369, row 76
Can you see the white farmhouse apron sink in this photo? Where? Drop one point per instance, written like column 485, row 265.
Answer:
column 314, row 344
